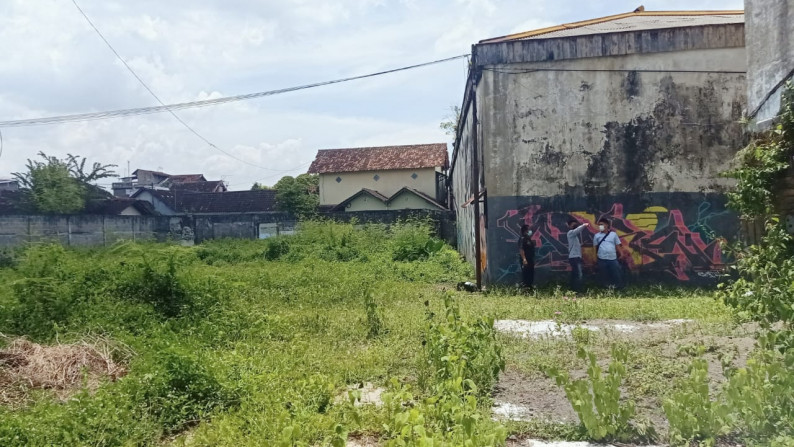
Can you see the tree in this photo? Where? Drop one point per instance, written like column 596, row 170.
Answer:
column 450, row 123
column 298, row 195
column 260, row 187
column 56, row 186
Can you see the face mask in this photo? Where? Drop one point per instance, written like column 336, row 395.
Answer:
column 601, row 227
column 529, row 232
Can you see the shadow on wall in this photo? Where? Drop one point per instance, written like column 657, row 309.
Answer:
column 669, row 237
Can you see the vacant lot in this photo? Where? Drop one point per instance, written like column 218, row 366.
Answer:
column 260, row 343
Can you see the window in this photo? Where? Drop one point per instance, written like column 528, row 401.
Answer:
column 338, row 179
column 414, row 176
column 376, row 177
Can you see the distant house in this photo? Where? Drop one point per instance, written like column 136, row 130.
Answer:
column 142, row 178
column 119, row 206
column 380, row 178
column 171, row 202
column 8, row 184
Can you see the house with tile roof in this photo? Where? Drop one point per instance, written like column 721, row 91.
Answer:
column 142, row 178
column 382, row 178
column 170, row 202
column 630, row 117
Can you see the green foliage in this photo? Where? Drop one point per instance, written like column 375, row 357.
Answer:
column 56, row 186
column 276, row 247
column 456, row 348
column 762, row 163
column 298, row 195
column 414, row 241
column 260, row 187
column 159, row 283
column 374, row 318
column 693, row 416
column 464, row 361
column 764, row 287
column 44, row 296
column 596, row 398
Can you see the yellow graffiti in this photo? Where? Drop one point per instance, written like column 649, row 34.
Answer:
column 646, row 220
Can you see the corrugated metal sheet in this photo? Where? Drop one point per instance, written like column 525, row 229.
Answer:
column 415, row 156
column 642, row 23
column 633, row 21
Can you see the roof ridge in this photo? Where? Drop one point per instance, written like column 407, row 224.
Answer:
column 581, row 23
column 381, row 147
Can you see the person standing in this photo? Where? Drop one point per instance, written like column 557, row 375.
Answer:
column 526, row 250
column 606, row 243
column 575, row 253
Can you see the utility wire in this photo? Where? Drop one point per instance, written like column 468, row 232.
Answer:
column 154, row 95
column 58, row 119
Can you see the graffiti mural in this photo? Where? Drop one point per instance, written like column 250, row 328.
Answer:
column 681, row 244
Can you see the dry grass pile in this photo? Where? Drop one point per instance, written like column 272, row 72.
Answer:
column 62, row 368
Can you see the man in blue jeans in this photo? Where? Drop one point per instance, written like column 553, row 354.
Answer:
column 575, row 253
column 606, row 243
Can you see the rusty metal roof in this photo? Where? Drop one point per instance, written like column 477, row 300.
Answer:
column 631, row 21
column 415, row 156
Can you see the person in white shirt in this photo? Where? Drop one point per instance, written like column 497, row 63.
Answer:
column 575, row 253
column 606, row 243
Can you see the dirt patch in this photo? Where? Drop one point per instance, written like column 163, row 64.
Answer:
column 362, row 441
column 517, row 397
column 551, row 328
column 63, row 368
column 370, row 394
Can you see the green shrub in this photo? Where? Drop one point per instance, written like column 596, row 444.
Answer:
column 693, row 416
column 44, row 295
column 179, row 389
column 464, row 362
column 276, row 248
column 414, row 241
column 596, row 398
column 456, row 348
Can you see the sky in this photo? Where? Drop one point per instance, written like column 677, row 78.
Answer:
column 53, row 63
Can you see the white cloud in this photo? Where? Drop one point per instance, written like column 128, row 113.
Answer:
column 53, row 63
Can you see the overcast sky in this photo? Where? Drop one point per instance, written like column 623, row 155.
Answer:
column 52, row 63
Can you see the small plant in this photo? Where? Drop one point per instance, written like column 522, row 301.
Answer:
column 374, row 320
column 276, row 248
column 596, row 398
column 693, row 416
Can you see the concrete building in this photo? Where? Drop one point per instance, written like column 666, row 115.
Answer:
column 631, row 117
column 770, row 56
column 379, row 178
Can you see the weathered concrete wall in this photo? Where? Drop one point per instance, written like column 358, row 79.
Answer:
column 770, row 55
column 648, row 134
column 666, row 237
column 82, row 230
column 463, row 186
column 548, row 133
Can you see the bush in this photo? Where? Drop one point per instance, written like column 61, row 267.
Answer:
column 179, row 389
column 276, row 248
column 413, row 241
column 596, row 398
column 44, row 296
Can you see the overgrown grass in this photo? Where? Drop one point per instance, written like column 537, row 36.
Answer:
column 250, row 342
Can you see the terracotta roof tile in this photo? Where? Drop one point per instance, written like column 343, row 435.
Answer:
column 416, row 156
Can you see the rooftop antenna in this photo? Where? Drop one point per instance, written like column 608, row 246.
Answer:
column 128, row 168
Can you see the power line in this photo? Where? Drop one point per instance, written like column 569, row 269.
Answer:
column 59, row 119
column 151, row 92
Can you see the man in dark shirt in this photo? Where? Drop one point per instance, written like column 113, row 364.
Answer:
column 526, row 249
